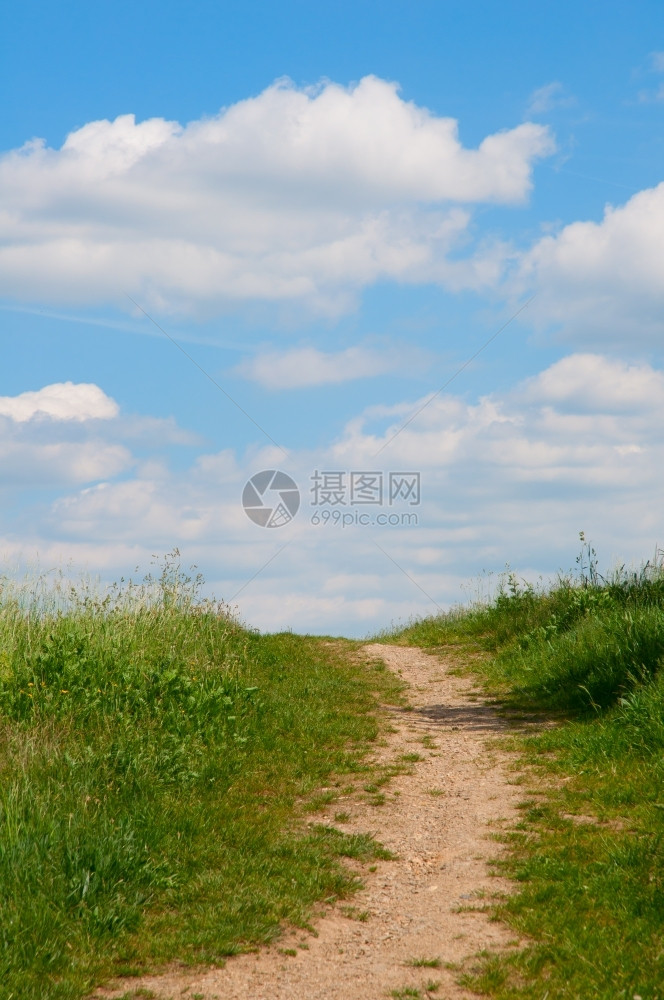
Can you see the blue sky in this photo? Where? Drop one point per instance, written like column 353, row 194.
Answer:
column 331, row 208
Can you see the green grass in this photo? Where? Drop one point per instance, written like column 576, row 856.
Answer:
column 588, row 855
column 156, row 760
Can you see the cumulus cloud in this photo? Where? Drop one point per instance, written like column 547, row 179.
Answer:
column 572, row 425
column 300, row 196
column 602, row 282
column 509, row 477
column 50, row 437
column 584, row 383
column 60, row 401
column 74, row 433
column 307, row 366
column 31, row 463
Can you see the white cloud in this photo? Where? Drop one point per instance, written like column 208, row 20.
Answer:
column 584, row 383
column 294, row 196
column 602, row 282
column 29, row 463
column 307, row 366
column 52, row 437
column 657, row 61
column 73, row 433
column 511, row 477
column 60, row 401
column 551, row 95
column 585, row 421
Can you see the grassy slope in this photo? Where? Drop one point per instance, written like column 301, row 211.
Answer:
column 591, row 896
column 154, row 760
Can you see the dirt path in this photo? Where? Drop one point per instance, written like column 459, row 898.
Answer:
column 427, row 904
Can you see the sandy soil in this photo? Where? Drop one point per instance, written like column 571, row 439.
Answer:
column 427, row 904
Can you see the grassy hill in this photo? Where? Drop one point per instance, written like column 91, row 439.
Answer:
column 157, row 759
column 585, row 657
column 155, row 756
